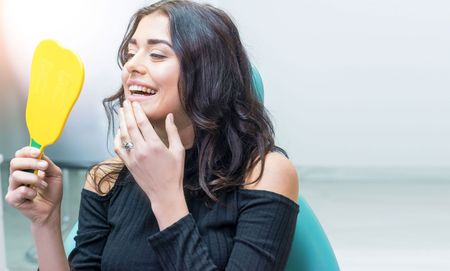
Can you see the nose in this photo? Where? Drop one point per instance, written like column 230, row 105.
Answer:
column 135, row 65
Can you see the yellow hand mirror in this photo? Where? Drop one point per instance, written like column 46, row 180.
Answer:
column 57, row 76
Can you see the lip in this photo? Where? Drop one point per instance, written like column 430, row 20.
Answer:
column 138, row 98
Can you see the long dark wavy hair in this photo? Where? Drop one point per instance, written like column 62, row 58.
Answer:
column 231, row 126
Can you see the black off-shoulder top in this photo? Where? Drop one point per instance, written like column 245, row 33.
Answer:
column 244, row 230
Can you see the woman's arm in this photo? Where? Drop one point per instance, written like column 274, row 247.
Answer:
column 93, row 226
column 264, row 229
column 157, row 168
column 38, row 197
column 49, row 245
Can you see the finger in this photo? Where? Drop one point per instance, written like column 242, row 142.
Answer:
column 131, row 125
column 123, row 131
column 20, row 178
column 173, row 136
column 27, row 164
column 23, row 178
column 28, row 151
column 146, row 128
column 41, row 184
column 118, row 147
column 52, row 170
column 20, row 195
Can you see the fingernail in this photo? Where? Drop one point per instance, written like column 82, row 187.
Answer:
column 35, row 152
column 43, row 184
column 42, row 164
column 171, row 117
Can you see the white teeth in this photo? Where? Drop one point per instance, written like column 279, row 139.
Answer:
column 134, row 88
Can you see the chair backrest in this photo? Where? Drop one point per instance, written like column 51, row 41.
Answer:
column 311, row 250
column 69, row 241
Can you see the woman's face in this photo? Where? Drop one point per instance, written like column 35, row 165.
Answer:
column 150, row 76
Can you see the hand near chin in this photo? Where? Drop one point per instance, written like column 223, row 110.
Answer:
column 157, row 169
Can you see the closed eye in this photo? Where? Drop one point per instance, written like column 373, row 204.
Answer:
column 157, row 56
column 129, row 56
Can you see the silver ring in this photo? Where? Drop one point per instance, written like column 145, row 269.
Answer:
column 127, row 145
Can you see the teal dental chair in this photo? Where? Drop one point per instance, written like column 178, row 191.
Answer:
column 311, row 250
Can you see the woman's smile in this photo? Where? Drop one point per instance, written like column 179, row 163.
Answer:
column 139, row 91
column 151, row 73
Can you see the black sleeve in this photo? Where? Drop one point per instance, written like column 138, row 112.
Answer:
column 92, row 233
column 263, row 239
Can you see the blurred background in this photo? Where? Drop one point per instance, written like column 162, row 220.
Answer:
column 358, row 91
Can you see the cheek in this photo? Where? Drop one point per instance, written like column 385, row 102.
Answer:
column 167, row 74
column 124, row 76
column 172, row 90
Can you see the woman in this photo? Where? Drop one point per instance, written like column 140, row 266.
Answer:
column 197, row 183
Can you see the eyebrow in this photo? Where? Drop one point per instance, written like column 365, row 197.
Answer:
column 151, row 42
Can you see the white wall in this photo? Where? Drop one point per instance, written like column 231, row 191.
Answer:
column 94, row 30
column 347, row 82
column 350, row 82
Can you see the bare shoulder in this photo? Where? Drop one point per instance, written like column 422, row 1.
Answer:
column 107, row 170
column 279, row 176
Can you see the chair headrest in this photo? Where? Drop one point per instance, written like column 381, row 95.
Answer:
column 258, row 84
